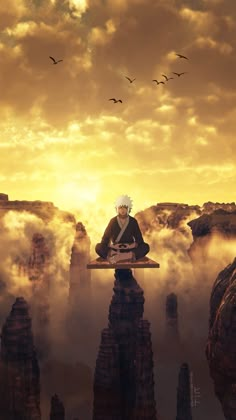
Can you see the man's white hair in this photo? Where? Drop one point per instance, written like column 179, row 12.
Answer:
column 123, row 200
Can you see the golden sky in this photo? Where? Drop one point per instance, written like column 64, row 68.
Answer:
column 62, row 140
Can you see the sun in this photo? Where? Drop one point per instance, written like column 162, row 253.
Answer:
column 74, row 195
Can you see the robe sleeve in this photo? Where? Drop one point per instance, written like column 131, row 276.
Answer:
column 137, row 233
column 107, row 234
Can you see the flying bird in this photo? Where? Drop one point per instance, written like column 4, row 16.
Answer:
column 167, row 78
column 181, row 56
column 155, row 80
column 130, row 80
column 179, row 74
column 55, row 61
column 115, row 100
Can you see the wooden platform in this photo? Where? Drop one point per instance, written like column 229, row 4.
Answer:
column 141, row 263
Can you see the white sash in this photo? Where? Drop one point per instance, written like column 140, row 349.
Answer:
column 122, row 228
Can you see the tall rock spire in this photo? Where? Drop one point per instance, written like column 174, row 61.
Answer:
column 172, row 329
column 40, row 275
column 80, row 276
column 123, row 381
column 79, row 305
column 20, row 393
column 57, row 409
column 184, row 411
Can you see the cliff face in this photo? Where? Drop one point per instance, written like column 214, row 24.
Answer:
column 79, row 301
column 39, row 275
column 43, row 209
column 123, row 381
column 80, row 276
column 219, row 222
column 20, row 393
column 204, row 221
column 170, row 215
column 221, row 344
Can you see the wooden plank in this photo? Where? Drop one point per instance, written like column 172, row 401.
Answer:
column 141, row 263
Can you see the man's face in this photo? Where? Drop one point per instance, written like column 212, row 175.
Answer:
column 123, row 211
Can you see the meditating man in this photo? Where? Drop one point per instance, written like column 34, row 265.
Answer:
column 122, row 239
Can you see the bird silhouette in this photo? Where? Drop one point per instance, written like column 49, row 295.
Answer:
column 115, row 100
column 130, row 80
column 167, row 78
column 179, row 74
column 55, row 61
column 181, row 56
column 158, row 83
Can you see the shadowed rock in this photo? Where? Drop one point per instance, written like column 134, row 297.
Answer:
column 20, row 393
column 221, row 344
column 172, row 316
column 220, row 223
column 79, row 326
column 3, row 197
column 40, row 276
column 80, row 276
column 43, row 209
column 57, row 409
column 123, row 381
column 169, row 215
column 184, row 411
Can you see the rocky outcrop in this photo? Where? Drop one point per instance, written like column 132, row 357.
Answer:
column 178, row 215
column 210, row 207
column 40, row 276
column 36, row 270
column 79, row 300
column 184, row 411
column 43, row 209
column 57, row 409
column 80, row 276
column 172, row 329
column 123, row 381
column 3, row 197
column 39, row 258
column 169, row 215
column 221, row 344
column 20, row 393
column 221, row 221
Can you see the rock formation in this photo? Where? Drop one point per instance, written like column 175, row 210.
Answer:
column 20, row 393
column 219, row 223
column 3, row 197
column 80, row 276
column 210, row 207
column 184, row 411
column 172, row 316
column 79, row 301
column 170, row 215
column 40, row 276
column 123, row 381
column 57, row 409
column 72, row 382
column 202, row 220
column 43, row 209
column 221, row 344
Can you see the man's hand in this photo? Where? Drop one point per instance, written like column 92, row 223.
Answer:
column 124, row 246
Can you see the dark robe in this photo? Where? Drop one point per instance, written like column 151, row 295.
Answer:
column 131, row 234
